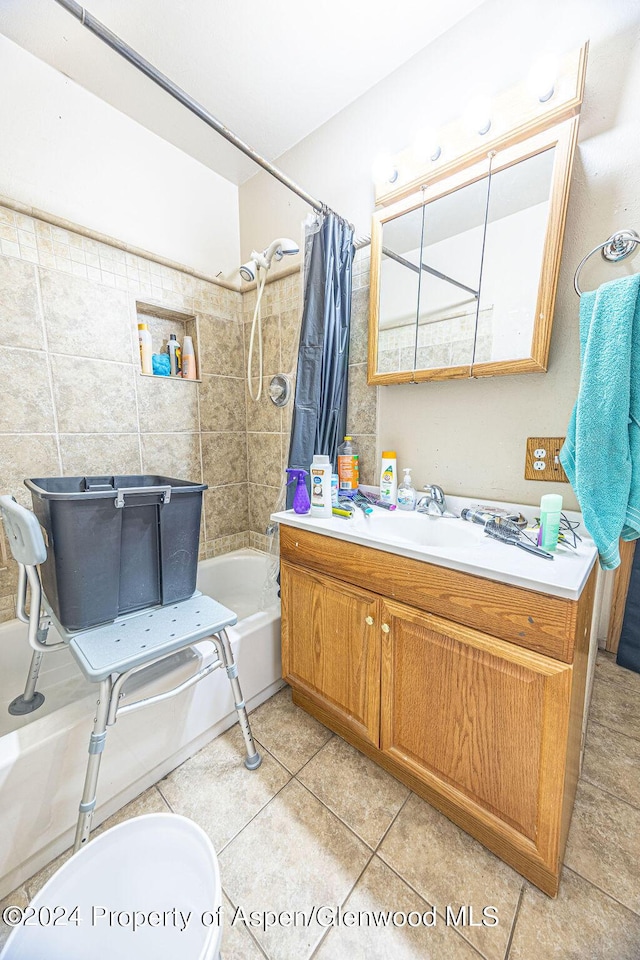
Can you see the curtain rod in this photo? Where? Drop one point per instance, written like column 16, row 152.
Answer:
column 138, row 61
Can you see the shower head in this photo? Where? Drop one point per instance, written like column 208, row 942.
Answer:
column 280, row 248
column 248, row 270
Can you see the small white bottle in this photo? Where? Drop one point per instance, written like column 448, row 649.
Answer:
column 188, row 360
column 146, row 349
column 406, row 492
column 389, row 477
column 320, row 471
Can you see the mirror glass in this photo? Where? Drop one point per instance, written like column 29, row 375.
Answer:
column 399, row 283
column 464, row 270
column 516, row 230
column 452, row 243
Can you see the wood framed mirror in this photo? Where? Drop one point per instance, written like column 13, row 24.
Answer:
column 464, row 270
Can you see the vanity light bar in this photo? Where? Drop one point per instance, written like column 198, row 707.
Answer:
column 549, row 95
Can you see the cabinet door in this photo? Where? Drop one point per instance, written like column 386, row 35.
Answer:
column 331, row 647
column 480, row 721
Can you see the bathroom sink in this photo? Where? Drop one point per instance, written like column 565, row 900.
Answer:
column 420, row 529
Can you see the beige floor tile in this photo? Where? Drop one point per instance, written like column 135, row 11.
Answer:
column 446, row 866
column 19, row 899
column 216, row 790
column 360, row 792
column 616, row 705
column 581, row 924
column 612, row 761
column 295, row 855
column 604, row 844
column 380, row 890
column 290, row 734
column 237, row 942
column 150, row 801
column 608, row 669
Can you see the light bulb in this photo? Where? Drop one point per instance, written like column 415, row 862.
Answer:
column 478, row 115
column 425, row 146
column 542, row 78
column 384, row 169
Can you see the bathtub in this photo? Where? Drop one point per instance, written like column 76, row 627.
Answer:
column 43, row 757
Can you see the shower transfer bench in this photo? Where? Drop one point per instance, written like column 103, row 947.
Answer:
column 112, row 653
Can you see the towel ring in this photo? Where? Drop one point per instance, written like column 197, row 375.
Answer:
column 617, row 247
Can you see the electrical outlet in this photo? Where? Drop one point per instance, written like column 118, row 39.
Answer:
column 542, row 460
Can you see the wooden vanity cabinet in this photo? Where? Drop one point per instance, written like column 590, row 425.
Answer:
column 483, row 728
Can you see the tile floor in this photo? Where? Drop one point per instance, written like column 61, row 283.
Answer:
column 321, row 825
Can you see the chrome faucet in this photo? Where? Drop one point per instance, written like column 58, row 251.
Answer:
column 434, row 503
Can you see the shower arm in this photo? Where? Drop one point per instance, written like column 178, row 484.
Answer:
column 133, row 57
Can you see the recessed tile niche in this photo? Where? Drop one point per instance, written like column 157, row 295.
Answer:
column 162, row 323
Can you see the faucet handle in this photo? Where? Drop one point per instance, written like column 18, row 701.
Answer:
column 435, row 492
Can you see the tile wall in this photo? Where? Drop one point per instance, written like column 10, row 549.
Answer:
column 72, row 401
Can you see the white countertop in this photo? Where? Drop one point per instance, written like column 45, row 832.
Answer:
column 460, row 545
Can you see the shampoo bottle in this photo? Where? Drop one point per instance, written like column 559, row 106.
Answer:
column 550, row 509
column 320, row 486
column 188, row 360
column 389, row 477
column 406, row 492
column 144, row 339
column 173, row 349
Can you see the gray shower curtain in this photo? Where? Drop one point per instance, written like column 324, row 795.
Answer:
column 320, row 405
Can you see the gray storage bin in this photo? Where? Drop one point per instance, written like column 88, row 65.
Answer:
column 116, row 544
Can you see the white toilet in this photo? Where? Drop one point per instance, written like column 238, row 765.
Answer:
column 147, row 889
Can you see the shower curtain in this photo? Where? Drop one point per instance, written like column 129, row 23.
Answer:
column 320, row 405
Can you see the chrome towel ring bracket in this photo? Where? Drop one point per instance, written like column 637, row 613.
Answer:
column 617, row 247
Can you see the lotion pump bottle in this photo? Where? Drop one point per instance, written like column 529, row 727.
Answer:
column 406, row 492
column 320, row 486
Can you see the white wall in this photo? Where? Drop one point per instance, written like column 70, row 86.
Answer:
column 65, row 151
column 469, row 436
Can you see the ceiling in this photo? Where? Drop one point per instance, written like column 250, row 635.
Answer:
column 272, row 72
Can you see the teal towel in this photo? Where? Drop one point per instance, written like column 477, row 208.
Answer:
column 601, row 455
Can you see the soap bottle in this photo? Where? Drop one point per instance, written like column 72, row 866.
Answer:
column 188, row 360
column 146, row 350
column 389, row 477
column 320, row 486
column 173, row 349
column 550, row 510
column 406, row 492
column 348, row 477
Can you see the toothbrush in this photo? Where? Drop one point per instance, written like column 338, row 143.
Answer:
column 357, row 498
column 370, row 498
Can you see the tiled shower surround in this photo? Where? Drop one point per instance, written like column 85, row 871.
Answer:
column 73, row 402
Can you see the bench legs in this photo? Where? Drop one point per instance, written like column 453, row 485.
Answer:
column 31, row 699
column 98, row 738
column 225, row 654
column 97, row 742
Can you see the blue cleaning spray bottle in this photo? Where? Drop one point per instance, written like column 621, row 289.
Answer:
column 301, row 502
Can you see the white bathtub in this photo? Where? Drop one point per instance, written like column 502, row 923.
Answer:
column 43, row 757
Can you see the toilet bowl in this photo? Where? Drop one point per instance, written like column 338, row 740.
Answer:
column 148, row 889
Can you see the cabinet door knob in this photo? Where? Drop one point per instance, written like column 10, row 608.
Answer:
column 385, row 628
column 369, row 621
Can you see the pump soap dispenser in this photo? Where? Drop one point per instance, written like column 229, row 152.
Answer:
column 406, row 492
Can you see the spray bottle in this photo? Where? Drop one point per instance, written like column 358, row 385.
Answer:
column 301, row 502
